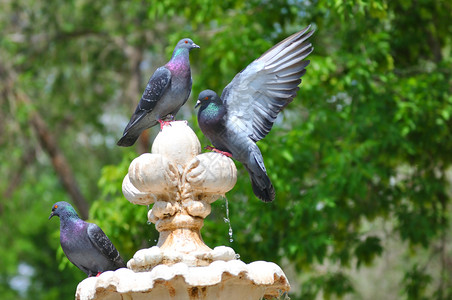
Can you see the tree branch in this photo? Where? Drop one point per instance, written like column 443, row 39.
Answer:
column 60, row 164
column 27, row 158
column 47, row 142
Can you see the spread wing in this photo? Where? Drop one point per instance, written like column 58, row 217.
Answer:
column 103, row 244
column 258, row 93
column 156, row 87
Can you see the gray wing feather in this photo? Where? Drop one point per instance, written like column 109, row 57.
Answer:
column 156, row 87
column 103, row 244
column 257, row 94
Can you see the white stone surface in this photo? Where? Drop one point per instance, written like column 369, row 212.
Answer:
column 177, row 142
column 176, row 169
column 181, row 183
column 211, row 173
column 134, row 195
column 146, row 259
column 220, row 280
column 223, row 253
column 162, row 179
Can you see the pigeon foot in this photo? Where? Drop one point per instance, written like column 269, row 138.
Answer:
column 218, row 151
column 164, row 123
column 98, row 274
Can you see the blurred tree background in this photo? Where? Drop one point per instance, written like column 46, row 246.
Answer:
column 361, row 160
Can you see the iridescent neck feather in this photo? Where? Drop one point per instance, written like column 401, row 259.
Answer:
column 179, row 61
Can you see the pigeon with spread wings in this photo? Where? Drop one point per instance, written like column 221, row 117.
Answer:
column 250, row 103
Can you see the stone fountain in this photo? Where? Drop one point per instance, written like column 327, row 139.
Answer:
column 181, row 183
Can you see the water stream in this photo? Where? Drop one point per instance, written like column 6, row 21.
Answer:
column 227, row 220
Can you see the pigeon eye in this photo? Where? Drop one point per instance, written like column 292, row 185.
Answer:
column 205, row 98
column 55, row 207
column 186, row 42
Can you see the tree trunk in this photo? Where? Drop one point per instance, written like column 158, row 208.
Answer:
column 60, row 164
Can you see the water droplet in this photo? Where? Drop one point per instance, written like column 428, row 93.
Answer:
column 227, row 220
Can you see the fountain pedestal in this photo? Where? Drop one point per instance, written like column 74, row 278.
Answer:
column 181, row 184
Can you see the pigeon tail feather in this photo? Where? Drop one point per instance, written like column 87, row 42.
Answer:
column 128, row 139
column 260, row 182
column 266, row 192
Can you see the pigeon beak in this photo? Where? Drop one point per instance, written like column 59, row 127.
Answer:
column 197, row 103
column 195, row 46
column 51, row 215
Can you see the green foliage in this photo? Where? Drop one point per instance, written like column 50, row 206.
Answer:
column 416, row 282
column 332, row 284
column 366, row 139
column 127, row 227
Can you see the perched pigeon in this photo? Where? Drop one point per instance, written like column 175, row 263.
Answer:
column 250, row 103
column 167, row 90
column 85, row 244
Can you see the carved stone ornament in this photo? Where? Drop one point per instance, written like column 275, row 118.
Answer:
column 181, row 183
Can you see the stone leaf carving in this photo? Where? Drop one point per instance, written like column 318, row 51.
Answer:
column 176, row 171
column 181, row 183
